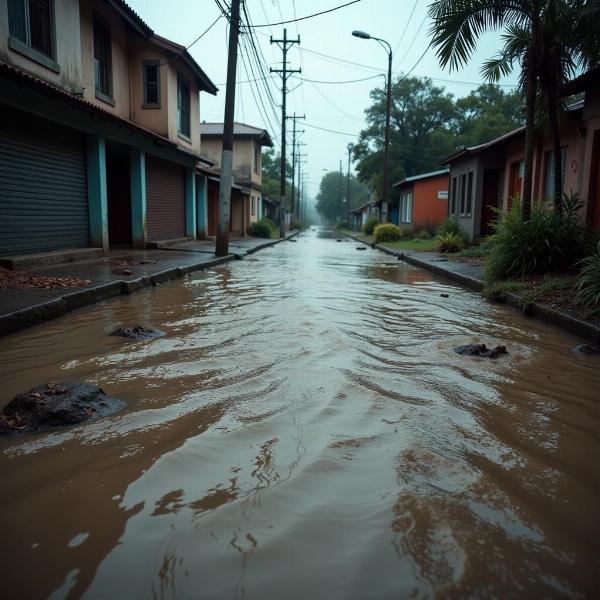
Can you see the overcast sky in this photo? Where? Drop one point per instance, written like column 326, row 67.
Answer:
column 338, row 107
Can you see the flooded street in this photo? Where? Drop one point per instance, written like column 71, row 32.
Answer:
column 305, row 430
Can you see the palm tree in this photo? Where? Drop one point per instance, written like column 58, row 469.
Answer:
column 550, row 39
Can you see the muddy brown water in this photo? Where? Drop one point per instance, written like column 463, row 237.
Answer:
column 304, row 430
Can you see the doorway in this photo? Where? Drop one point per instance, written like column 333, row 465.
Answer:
column 118, row 190
column 593, row 212
column 489, row 199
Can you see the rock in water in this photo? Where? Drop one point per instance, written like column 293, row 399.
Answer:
column 361, row 247
column 480, row 350
column 586, row 349
column 56, row 405
column 138, row 332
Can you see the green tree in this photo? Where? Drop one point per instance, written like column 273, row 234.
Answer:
column 333, row 190
column 271, row 169
column 423, row 123
column 487, row 113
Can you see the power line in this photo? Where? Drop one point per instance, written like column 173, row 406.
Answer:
column 406, row 26
column 323, row 12
column 334, row 105
column 340, row 82
column 413, row 40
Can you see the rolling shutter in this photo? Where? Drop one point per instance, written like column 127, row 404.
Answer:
column 43, row 190
column 165, row 199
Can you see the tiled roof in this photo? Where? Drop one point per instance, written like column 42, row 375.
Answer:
column 239, row 129
column 421, row 176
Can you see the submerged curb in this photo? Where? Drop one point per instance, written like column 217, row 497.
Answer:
column 583, row 329
column 58, row 307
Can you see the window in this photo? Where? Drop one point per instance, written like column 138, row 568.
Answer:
column 151, row 84
column 469, row 203
column 549, row 168
column 183, row 107
column 405, row 207
column 31, row 27
column 257, row 158
column 463, row 192
column 102, row 59
column 253, row 205
column 454, row 197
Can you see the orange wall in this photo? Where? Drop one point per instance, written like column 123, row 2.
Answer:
column 428, row 210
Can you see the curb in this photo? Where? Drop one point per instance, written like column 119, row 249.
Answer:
column 58, row 307
column 550, row 316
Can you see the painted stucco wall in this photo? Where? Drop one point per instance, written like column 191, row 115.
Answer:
column 193, row 144
column 428, row 210
column 463, row 166
column 67, row 47
column 243, row 158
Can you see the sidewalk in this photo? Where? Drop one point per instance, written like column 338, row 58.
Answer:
column 125, row 271
column 471, row 275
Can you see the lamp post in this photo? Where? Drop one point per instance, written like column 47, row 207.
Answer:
column 350, row 146
column 386, row 157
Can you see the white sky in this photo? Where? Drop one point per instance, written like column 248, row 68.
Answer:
column 339, row 107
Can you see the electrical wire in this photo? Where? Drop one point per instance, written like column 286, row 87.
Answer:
column 406, row 26
column 323, row 12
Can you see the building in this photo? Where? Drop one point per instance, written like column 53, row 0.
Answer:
column 99, row 129
column 248, row 141
column 360, row 215
column 486, row 178
column 422, row 201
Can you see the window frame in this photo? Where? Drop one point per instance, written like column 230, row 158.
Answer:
column 405, row 207
column 182, row 134
column 454, row 196
column 469, row 195
column 253, row 206
column 463, row 192
column 257, row 158
column 107, row 96
column 24, row 47
column 145, row 64
column 549, row 170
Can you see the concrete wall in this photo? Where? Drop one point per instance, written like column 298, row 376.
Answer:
column 193, row 144
column 243, row 157
column 462, row 166
column 67, row 47
column 428, row 210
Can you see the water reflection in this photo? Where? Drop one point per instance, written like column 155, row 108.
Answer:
column 304, row 430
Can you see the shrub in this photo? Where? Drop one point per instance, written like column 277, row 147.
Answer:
column 498, row 290
column 370, row 225
column 387, row 232
column 263, row 228
column 588, row 283
column 450, row 242
column 451, row 225
column 549, row 241
column 297, row 224
column 423, row 235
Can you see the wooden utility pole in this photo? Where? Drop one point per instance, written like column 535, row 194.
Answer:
column 350, row 147
column 294, row 118
column 300, row 160
column 284, row 44
column 222, row 245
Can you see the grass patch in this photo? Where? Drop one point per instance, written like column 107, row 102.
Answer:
column 414, row 244
column 498, row 290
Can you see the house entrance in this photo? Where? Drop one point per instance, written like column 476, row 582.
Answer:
column 118, row 189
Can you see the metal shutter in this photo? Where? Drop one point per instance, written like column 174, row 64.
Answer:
column 43, row 189
column 165, row 199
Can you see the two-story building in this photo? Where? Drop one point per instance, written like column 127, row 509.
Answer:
column 246, row 196
column 99, row 129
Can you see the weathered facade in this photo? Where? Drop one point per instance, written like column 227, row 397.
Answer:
column 99, row 128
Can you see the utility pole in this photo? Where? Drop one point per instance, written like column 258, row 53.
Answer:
column 284, row 44
column 294, row 118
column 300, row 160
column 299, row 155
column 350, row 146
column 222, row 244
column 340, row 190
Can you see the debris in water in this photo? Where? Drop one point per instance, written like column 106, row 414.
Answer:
column 587, row 349
column 480, row 350
column 445, row 295
column 55, row 405
column 137, row 332
column 22, row 280
column 361, row 247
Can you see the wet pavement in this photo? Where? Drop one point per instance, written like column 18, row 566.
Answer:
column 305, row 430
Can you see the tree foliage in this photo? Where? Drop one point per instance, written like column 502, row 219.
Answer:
column 333, row 191
column 428, row 124
column 271, row 169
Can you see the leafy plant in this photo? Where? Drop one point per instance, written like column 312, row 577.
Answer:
column 451, row 225
column 423, row 235
column 387, row 232
column 498, row 290
column 449, row 242
column 297, row 224
column 548, row 241
column 588, row 282
column 263, row 228
column 370, row 225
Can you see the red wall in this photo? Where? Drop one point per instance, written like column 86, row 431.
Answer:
column 428, row 210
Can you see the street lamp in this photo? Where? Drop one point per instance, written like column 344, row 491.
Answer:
column 386, row 157
column 350, row 146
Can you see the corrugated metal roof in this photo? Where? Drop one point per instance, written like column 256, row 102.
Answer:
column 239, row 129
column 421, row 176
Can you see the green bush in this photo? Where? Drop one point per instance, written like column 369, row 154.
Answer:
column 387, row 232
column 263, row 228
column 451, row 226
column 423, row 235
column 549, row 241
column 370, row 225
column 297, row 224
column 449, row 242
column 588, row 282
